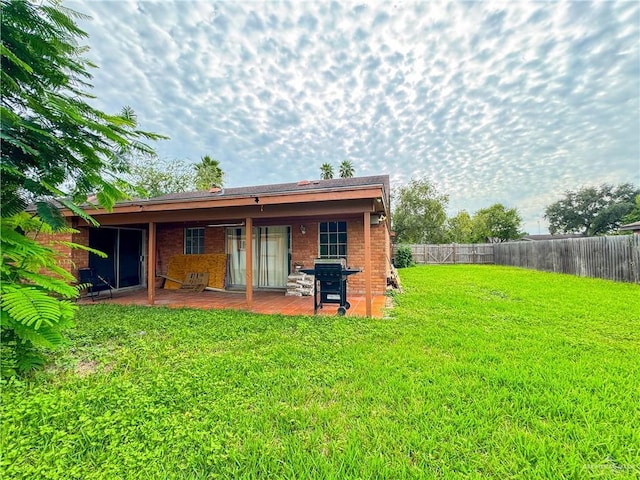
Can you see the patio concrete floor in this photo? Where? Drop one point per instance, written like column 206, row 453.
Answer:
column 269, row 302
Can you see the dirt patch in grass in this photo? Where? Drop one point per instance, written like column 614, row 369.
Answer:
column 85, row 368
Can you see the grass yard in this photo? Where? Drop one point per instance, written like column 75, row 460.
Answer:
column 481, row 371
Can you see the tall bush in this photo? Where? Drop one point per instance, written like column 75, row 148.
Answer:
column 404, row 256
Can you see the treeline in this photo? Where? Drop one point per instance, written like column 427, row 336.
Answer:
column 420, row 215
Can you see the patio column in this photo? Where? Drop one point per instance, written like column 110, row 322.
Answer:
column 249, row 260
column 151, row 264
column 367, row 263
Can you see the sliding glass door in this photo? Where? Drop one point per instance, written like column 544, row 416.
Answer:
column 270, row 256
column 129, row 258
column 124, row 265
column 106, row 241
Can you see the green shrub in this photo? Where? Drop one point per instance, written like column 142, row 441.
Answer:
column 404, row 257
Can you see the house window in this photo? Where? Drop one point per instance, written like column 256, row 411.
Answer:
column 333, row 240
column 193, row 240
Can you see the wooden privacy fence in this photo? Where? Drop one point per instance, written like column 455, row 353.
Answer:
column 612, row 258
column 452, row 253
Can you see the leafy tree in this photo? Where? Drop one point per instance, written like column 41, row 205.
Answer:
column 496, row 224
column 208, row 173
column 159, row 177
column 592, row 210
column 50, row 135
column 460, row 228
column 346, row 169
column 326, row 171
column 419, row 215
column 54, row 145
column 633, row 215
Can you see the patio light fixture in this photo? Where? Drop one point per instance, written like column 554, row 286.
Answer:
column 303, row 230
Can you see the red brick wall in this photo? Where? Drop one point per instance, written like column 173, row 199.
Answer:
column 71, row 259
column 65, row 252
column 214, row 239
column 304, row 249
column 80, row 257
column 380, row 258
column 170, row 242
column 355, row 257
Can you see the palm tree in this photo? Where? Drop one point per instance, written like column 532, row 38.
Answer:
column 326, row 171
column 346, row 169
column 208, row 173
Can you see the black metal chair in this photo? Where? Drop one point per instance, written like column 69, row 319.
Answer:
column 93, row 283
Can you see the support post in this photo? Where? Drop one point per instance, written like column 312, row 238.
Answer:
column 151, row 264
column 367, row 263
column 249, row 260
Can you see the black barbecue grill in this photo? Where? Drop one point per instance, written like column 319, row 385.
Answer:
column 330, row 283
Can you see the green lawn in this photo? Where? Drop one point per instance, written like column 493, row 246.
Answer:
column 480, row 371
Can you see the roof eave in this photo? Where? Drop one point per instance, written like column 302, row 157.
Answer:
column 372, row 191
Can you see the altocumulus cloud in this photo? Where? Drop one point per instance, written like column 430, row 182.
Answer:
column 494, row 102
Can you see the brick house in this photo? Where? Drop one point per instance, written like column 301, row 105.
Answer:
column 272, row 227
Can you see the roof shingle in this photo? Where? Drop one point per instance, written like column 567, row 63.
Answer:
column 280, row 188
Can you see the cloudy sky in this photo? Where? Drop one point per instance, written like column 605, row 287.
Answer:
column 507, row 102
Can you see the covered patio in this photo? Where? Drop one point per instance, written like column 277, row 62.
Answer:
column 267, row 302
column 246, row 239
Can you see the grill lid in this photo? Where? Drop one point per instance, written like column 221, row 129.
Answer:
column 341, row 261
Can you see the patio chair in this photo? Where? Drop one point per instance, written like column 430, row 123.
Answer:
column 93, row 283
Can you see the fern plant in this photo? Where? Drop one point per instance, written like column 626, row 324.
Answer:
column 35, row 294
